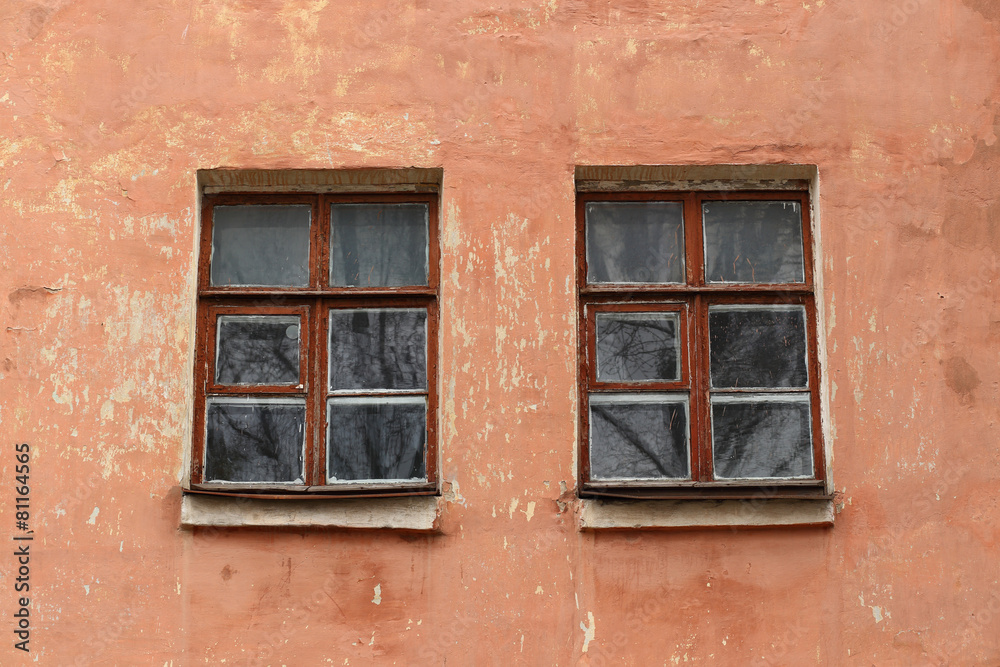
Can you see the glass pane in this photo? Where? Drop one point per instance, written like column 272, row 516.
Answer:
column 638, row 437
column 758, row 347
column 257, row 350
column 762, row 436
column 255, row 441
column 635, row 242
column 378, row 349
column 376, row 439
column 378, row 245
column 753, row 242
column 637, row 347
column 261, row 245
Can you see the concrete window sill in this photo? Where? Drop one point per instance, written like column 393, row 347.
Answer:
column 675, row 514
column 414, row 514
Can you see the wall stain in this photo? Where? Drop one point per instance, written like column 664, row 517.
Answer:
column 961, row 378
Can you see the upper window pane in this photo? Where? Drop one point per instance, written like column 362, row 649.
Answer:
column 378, row 349
column 378, row 245
column 256, row 349
column 753, row 242
column 260, row 245
column 638, row 347
column 635, row 242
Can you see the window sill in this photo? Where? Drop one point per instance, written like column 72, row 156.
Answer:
column 678, row 514
column 413, row 514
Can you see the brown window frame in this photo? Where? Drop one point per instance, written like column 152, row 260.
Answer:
column 313, row 303
column 692, row 299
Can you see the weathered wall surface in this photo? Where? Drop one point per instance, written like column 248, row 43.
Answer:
column 107, row 109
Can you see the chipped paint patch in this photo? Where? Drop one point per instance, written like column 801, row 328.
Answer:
column 588, row 631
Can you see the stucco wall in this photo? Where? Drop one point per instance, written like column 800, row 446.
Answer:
column 108, row 109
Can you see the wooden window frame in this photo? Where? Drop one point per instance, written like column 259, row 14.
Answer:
column 313, row 304
column 693, row 298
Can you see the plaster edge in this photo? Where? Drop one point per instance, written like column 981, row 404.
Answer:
column 405, row 179
column 653, row 514
column 417, row 513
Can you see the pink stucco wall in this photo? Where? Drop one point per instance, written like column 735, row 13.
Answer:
column 107, row 109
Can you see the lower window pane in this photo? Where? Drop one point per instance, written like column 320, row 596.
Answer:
column 254, row 441
column 376, row 439
column 639, row 436
column 764, row 436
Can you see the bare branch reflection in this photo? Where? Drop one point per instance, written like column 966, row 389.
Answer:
column 760, row 438
column 378, row 440
column 378, row 349
column 258, row 350
column 758, row 347
column 254, row 442
column 638, row 440
column 633, row 347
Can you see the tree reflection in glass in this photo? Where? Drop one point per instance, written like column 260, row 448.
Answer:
column 762, row 436
column 758, row 346
column 637, row 347
column 376, row 439
column 254, row 440
column 257, row 349
column 638, row 436
column 378, row 349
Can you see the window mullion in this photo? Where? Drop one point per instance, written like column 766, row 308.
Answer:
column 702, row 427
column 316, row 388
column 693, row 243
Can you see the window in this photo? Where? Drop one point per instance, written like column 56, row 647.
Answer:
column 315, row 366
column 698, row 352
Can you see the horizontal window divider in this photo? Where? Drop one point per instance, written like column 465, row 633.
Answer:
column 241, row 398
column 291, row 293
column 257, row 390
column 372, row 395
column 760, row 390
column 636, row 387
column 625, row 290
